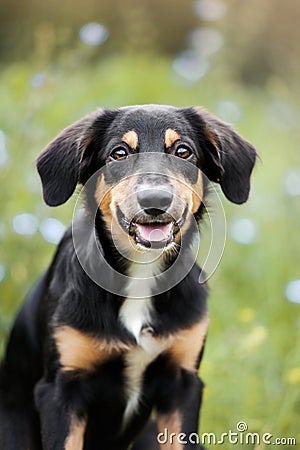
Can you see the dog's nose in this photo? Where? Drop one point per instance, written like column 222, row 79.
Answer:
column 154, row 201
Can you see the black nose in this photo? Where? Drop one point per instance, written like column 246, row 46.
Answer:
column 154, row 201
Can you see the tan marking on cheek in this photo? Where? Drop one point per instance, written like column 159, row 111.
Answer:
column 191, row 195
column 171, row 137
column 79, row 351
column 131, row 139
column 108, row 199
column 75, row 437
column 103, row 198
column 197, row 195
column 187, row 344
column 173, row 424
column 182, row 192
column 104, row 204
column 122, row 191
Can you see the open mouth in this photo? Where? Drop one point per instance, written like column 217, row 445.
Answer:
column 151, row 234
column 154, row 235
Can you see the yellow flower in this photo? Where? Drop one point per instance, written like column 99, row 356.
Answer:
column 246, row 315
column 293, row 376
column 255, row 338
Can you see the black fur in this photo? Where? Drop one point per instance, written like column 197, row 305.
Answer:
column 38, row 398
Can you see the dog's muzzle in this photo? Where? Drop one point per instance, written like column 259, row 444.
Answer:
column 153, row 227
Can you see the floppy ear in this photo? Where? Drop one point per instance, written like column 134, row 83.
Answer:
column 58, row 164
column 229, row 159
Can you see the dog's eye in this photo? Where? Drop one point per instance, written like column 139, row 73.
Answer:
column 119, row 153
column 183, row 152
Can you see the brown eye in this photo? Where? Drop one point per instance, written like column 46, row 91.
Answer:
column 119, row 153
column 183, row 152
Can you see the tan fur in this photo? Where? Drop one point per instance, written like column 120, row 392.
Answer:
column 210, row 136
column 131, row 139
column 79, row 351
column 108, row 198
column 171, row 136
column 103, row 196
column 197, row 195
column 173, row 423
column 187, row 344
column 191, row 196
column 75, row 437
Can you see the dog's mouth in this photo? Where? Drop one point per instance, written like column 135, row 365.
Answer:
column 151, row 234
column 154, row 235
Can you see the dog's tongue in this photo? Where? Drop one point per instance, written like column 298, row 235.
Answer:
column 155, row 233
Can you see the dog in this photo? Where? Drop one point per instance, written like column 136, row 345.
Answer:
column 114, row 330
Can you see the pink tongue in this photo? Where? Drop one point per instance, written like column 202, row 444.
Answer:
column 156, row 232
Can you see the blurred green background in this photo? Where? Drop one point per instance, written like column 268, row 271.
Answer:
column 241, row 60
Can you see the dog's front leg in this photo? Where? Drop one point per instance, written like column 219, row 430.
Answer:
column 178, row 413
column 62, row 423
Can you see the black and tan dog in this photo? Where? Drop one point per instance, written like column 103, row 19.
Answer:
column 87, row 362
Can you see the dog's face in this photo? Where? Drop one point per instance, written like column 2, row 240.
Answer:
column 146, row 194
column 152, row 160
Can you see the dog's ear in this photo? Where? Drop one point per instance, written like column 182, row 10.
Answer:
column 228, row 158
column 59, row 163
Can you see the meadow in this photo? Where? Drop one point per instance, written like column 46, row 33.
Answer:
column 251, row 365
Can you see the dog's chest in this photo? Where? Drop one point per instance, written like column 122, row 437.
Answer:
column 136, row 314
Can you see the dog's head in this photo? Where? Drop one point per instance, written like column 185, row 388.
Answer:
column 149, row 186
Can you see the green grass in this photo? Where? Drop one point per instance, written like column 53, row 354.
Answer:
column 252, row 361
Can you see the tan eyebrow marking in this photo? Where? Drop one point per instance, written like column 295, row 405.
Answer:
column 131, row 139
column 171, row 137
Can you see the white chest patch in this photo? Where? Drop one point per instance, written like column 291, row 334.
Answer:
column 135, row 313
column 136, row 309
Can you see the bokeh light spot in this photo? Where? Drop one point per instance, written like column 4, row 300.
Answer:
column 25, row 224
column 37, row 80
column 93, row 34
column 4, row 157
column 52, row 230
column 243, row 231
column 292, row 291
column 210, row 9
column 206, row 40
column 294, row 375
column 246, row 315
column 255, row 338
column 292, row 183
column 190, row 66
column 281, row 116
column 229, row 111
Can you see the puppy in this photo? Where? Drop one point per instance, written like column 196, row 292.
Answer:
column 115, row 328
